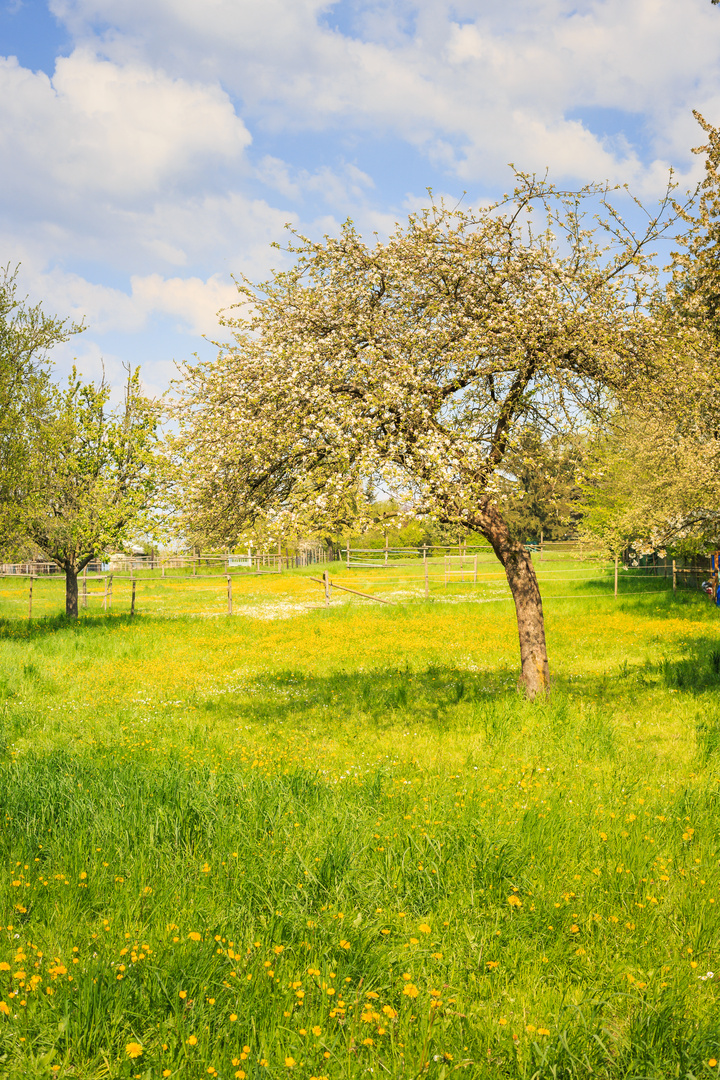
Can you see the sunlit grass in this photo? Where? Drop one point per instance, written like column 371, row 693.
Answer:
column 210, row 824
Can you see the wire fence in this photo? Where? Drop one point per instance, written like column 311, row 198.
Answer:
column 262, row 583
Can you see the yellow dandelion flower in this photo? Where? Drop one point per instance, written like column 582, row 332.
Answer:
column 514, row 901
column 233, row 1017
column 290, row 1063
column 194, row 936
column 134, row 1050
column 317, row 1031
column 192, row 1041
column 543, row 1031
column 424, row 928
column 4, row 1008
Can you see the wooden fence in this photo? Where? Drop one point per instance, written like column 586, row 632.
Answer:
column 400, row 573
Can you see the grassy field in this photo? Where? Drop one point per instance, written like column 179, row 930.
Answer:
column 339, row 844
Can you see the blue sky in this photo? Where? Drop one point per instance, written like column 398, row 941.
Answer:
column 151, row 148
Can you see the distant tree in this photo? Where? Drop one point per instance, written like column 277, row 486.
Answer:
column 88, row 474
column 416, row 364
column 654, row 481
column 539, row 487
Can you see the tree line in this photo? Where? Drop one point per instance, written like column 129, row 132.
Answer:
column 520, row 368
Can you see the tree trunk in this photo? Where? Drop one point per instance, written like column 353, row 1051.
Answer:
column 71, row 591
column 535, row 677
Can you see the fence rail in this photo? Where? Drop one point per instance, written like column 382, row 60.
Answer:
column 443, row 576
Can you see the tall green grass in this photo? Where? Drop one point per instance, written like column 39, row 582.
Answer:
column 342, row 845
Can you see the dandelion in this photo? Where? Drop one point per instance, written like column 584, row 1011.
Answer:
column 514, row 901
column 233, row 1017
column 712, row 1063
column 192, row 1041
column 543, row 1031
column 194, row 936
column 424, row 928
column 4, row 1008
column 134, row 1050
column 290, row 1063
column 502, row 1021
column 317, row 1031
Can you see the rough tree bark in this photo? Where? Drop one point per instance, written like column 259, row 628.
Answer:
column 71, row 590
column 535, row 673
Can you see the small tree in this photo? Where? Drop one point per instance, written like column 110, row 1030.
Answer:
column 416, row 364
column 89, row 474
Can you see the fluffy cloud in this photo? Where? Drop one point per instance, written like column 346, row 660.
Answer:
column 192, row 302
column 131, row 188
column 470, row 89
column 118, row 132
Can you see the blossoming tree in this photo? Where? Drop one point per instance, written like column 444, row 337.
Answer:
column 415, row 364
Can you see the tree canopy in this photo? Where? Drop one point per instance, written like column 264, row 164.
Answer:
column 27, row 334
column 417, row 364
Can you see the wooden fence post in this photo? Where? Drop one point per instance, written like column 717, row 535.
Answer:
column 348, row 554
column 386, row 547
column 541, row 545
column 110, row 591
column 105, row 597
column 132, row 602
column 30, row 599
column 229, row 585
column 326, row 581
column 475, row 572
column 84, row 599
column 616, row 574
column 425, row 567
column 674, row 577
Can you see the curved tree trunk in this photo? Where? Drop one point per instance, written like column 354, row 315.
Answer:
column 71, row 591
column 535, row 676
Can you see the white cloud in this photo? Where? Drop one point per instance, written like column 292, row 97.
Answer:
column 114, row 131
column 193, row 302
column 131, row 189
column 473, row 89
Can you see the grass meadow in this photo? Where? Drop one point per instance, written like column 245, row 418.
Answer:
column 335, row 842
